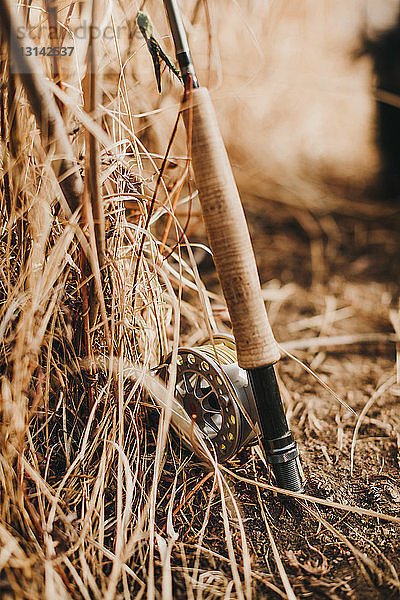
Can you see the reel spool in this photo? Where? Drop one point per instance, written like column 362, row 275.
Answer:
column 215, row 393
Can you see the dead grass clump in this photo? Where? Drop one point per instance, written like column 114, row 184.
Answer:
column 89, row 306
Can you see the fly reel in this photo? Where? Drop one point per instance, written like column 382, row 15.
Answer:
column 215, row 393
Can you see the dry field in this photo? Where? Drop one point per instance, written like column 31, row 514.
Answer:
column 104, row 269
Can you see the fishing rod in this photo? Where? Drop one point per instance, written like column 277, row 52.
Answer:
column 213, row 379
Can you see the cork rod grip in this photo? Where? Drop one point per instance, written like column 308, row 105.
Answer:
column 229, row 237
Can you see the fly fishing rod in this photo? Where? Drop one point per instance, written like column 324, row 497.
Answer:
column 213, row 380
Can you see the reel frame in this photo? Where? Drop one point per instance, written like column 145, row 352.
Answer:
column 215, row 393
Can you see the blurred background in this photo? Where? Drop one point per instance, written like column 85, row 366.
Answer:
column 292, row 86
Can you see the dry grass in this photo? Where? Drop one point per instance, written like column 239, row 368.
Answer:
column 97, row 500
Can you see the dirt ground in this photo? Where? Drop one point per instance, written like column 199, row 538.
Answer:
column 324, row 276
